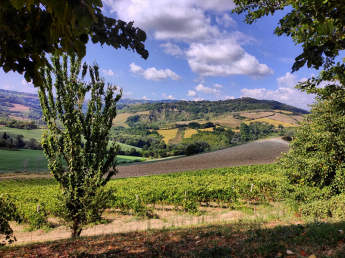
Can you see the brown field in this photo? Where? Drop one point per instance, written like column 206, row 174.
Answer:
column 120, row 119
column 189, row 132
column 229, row 122
column 298, row 118
column 178, row 137
column 253, row 153
column 20, row 118
column 18, row 107
column 283, row 118
column 168, row 134
column 256, row 115
column 271, row 121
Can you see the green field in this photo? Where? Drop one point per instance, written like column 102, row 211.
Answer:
column 28, row 134
column 13, row 161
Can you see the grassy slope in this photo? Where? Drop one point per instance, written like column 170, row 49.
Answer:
column 38, row 133
column 12, row 161
column 27, row 133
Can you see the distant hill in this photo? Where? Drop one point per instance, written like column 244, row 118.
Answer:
column 26, row 105
column 216, row 107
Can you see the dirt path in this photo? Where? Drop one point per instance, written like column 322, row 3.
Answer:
column 253, row 153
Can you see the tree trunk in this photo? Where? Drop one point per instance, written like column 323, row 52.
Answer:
column 76, row 229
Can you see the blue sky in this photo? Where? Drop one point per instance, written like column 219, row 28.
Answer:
column 198, row 50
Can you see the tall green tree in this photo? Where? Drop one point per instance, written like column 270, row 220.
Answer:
column 29, row 29
column 92, row 164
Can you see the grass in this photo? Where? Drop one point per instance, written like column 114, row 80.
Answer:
column 248, row 238
column 271, row 121
column 189, row 132
column 13, row 161
column 168, row 134
column 37, row 133
column 210, row 129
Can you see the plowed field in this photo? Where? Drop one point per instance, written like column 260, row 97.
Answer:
column 259, row 152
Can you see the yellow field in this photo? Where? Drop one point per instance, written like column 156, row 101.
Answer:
column 207, row 129
column 120, row 119
column 236, row 130
column 189, row 132
column 283, row 118
column 283, row 111
column 271, row 121
column 168, row 134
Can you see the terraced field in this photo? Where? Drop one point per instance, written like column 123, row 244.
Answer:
column 256, row 115
column 283, row 118
column 120, row 119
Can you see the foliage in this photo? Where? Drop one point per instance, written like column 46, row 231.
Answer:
column 17, row 142
column 12, row 123
column 315, row 164
column 8, row 212
column 317, row 25
column 186, row 190
column 31, row 28
column 83, row 195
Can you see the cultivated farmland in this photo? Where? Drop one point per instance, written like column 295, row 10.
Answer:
column 270, row 121
column 168, row 134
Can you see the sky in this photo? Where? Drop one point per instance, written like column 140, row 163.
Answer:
column 198, row 50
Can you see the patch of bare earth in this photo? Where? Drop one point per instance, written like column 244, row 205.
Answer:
column 119, row 223
column 253, row 153
column 178, row 137
column 284, row 118
column 18, row 107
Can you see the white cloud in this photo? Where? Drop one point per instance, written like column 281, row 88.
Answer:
column 171, row 19
column 172, row 49
column 167, row 96
column 127, row 94
column 288, row 80
column 225, row 20
column 285, row 93
column 25, row 87
column 154, row 74
column 191, row 93
column 206, row 90
column 135, row 68
column 221, row 97
column 198, row 99
column 108, row 73
column 145, row 98
column 224, row 57
column 217, row 85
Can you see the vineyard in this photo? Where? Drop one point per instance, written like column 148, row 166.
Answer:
column 187, row 191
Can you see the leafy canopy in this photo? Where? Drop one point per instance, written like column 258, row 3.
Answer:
column 316, row 24
column 31, row 28
column 82, row 141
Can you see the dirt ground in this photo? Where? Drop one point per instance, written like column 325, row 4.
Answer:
column 253, row 153
column 118, row 223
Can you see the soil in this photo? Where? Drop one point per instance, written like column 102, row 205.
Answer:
column 253, row 153
column 119, row 223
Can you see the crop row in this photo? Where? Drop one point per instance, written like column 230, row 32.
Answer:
column 35, row 198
